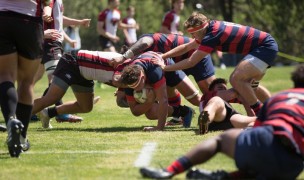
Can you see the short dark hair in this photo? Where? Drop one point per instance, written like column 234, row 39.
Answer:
column 130, row 74
column 297, row 76
column 217, row 81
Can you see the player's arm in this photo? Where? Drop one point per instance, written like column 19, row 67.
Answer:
column 73, row 43
column 77, row 22
column 228, row 94
column 187, row 63
column 161, row 96
column 181, row 49
column 164, row 29
column 136, row 49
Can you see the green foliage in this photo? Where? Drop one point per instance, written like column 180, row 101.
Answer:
column 282, row 19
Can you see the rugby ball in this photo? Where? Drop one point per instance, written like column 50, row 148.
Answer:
column 140, row 96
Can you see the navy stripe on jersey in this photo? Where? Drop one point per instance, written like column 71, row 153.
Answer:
column 285, row 112
column 165, row 42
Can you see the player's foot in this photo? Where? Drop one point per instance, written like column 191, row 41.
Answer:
column 174, row 122
column 45, row 119
column 207, row 175
column 34, row 118
column 3, row 128
column 96, row 99
column 14, row 128
column 188, row 115
column 68, row 118
column 203, row 122
column 25, row 144
column 148, row 172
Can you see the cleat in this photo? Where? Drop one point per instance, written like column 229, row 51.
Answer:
column 68, row 118
column 155, row 173
column 14, row 128
column 187, row 118
column 3, row 128
column 207, row 175
column 45, row 119
column 203, row 122
column 25, row 144
column 96, row 99
column 174, row 122
column 34, row 118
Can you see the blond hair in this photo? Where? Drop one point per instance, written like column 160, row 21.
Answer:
column 196, row 19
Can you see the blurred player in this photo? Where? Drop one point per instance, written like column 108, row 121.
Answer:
column 273, row 149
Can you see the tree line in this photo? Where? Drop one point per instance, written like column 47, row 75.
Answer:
column 282, row 19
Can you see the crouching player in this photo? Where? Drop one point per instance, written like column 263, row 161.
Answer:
column 79, row 72
column 142, row 72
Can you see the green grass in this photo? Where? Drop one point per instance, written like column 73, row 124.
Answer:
column 107, row 143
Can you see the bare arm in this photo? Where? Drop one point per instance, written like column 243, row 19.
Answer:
column 180, row 50
column 187, row 63
column 77, row 22
column 227, row 95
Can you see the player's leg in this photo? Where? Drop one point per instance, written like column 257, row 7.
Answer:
column 241, row 121
column 189, row 91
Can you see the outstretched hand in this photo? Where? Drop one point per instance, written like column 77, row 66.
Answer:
column 116, row 61
column 159, row 61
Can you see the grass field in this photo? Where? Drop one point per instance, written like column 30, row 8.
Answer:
column 108, row 142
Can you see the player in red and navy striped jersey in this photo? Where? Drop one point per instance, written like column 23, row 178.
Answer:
column 203, row 72
column 272, row 149
column 259, row 48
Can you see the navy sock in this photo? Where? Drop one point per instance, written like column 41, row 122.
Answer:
column 52, row 112
column 256, row 107
column 23, row 114
column 8, row 100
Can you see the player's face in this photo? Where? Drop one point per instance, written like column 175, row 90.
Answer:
column 142, row 82
column 219, row 87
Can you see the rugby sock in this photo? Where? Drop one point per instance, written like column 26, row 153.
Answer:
column 8, row 99
column 24, row 113
column 256, row 107
column 180, row 165
column 52, row 112
column 175, row 101
column 176, row 111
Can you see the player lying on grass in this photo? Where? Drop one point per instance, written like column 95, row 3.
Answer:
column 143, row 73
column 272, row 149
column 79, row 72
column 216, row 111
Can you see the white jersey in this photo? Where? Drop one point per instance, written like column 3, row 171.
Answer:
column 26, row 7
column 131, row 31
column 111, row 19
column 94, row 65
column 171, row 21
column 57, row 15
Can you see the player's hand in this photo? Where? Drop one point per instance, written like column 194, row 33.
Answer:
column 116, row 61
column 158, row 61
column 115, row 39
column 86, row 22
column 151, row 129
column 47, row 14
column 73, row 43
column 52, row 34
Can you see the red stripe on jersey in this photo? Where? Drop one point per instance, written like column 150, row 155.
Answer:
column 156, row 38
column 248, row 41
column 206, row 49
column 262, row 37
column 130, row 98
column 234, row 43
column 159, row 83
column 226, row 34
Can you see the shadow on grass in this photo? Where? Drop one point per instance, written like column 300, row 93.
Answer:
column 114, row 129
column 4, row 155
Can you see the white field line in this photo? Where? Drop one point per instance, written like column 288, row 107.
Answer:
column 146, row 154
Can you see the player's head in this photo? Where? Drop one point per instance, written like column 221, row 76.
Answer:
column 113, row 3
column 131, row 10
column 133, row 76
column 196, row 23
column 218, row 84
column 178, row 4
column 297, row 76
